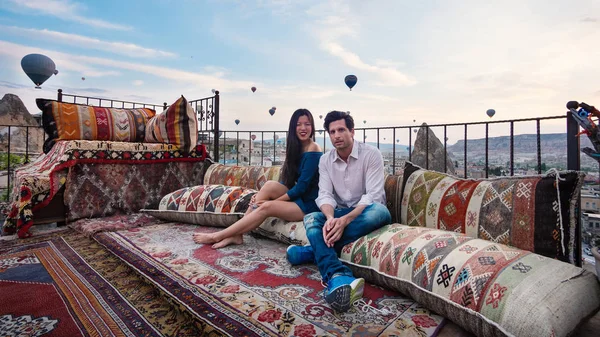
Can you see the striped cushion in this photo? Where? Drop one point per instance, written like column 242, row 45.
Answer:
column 68, row 121
column 253, row 177
column 176, row 125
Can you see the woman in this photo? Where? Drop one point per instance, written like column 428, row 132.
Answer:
column 289, row 199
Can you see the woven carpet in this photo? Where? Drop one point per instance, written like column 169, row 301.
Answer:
column 251, row 289
column 65, row 284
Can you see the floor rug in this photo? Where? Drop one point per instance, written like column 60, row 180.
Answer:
column 65, row 284
column 251, row 289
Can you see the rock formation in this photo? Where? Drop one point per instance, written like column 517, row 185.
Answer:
column 433, row 148
column 14, row 113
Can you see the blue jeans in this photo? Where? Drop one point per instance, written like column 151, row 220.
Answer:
column 372, row 217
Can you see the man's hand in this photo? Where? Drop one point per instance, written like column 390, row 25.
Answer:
column 333, row 230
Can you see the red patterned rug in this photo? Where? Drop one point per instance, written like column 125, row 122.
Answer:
column 48, row 289
column 251, row 289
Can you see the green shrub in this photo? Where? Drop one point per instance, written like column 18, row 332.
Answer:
column 15, row 160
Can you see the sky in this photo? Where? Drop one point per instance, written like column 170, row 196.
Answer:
column 416, row 61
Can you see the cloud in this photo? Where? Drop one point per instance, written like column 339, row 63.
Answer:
column 64, row 10
column 96, row 66
column 137, row 82
column 122, row 48
column 11, row 85
column 334, row 22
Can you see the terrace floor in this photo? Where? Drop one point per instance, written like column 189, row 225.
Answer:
column 589, row 328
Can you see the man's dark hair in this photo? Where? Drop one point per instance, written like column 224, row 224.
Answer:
column 336, row 116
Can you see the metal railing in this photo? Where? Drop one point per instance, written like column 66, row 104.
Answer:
column 261, row 145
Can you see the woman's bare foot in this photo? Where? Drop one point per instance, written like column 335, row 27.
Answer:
column 232, row 240
column 204, row 238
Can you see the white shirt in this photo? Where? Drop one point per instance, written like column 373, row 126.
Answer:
column 358, row 182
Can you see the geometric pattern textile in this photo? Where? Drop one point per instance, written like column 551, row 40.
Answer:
column 488, row 288
column 252, row 290
column 112, row 223
column 48, row 289
column 393, row 194
column 208, row 198
column 96, row 264
column 253, row 177
column 528, row 212
column 36, row 183
column 93, row 191
column 176, row 125
column 69, row 121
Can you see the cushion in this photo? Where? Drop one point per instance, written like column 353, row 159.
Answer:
column 487, row 288
column 176, row 125
column 393, row 194
column 291, row 233
column 521, row 211
column 199, row 218
column 209, row 205
column 253, row 177
column 69, row 121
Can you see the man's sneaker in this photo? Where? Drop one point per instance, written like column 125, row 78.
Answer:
column 358, row 286
column 300, row 254
column 338, row 293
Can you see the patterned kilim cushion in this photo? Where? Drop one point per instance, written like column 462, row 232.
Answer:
column 209, row 205
column 253, row 177
column 487, row 288
column 526, row 212
column 68, row 121
column 176, row 125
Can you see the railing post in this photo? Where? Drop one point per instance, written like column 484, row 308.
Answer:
column 574, row 163
column 26, row 145
column 216, row 126
column 59, row 98
column 8, row 167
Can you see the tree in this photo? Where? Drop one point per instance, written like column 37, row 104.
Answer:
column 15, row 160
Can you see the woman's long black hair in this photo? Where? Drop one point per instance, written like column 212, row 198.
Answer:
column 293, row 151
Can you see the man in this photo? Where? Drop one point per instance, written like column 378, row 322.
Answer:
column 352, row 203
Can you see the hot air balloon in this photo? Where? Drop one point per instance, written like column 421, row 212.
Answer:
column 253, row 137
column 383, row 138
column 320, row 131
column 237, row 122
column 491, row 112
column 397, row 140
column 320, row 116
column 38, row 68
column 83, row 78
column 274, row 108
column 272, row 111
column 213, row 91
column 253, row 89
column 350, row 81
column 364, row 122
column 415, row 130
